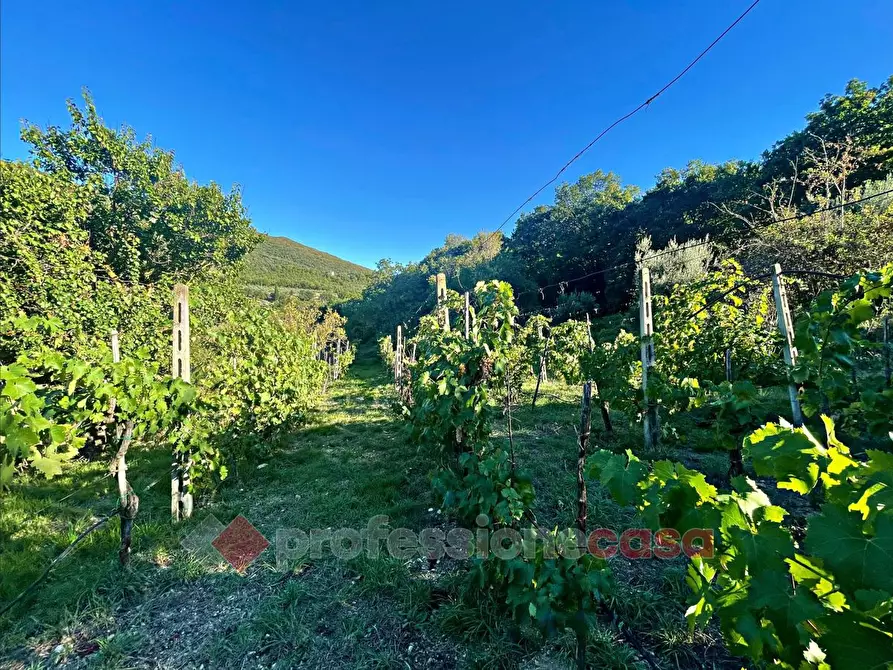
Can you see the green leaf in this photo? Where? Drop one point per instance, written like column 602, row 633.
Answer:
column 854, row 645
column 620, row 475
column 16, row 388
column 50, row 467
column 858, row 560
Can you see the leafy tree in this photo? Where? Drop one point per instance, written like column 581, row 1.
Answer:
column 675, row 264
column 862, row 114
column 146, row 218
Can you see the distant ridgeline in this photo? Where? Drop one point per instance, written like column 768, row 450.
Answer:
column 279, row 266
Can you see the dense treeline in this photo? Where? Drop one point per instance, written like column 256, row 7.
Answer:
column 845, row 151
column 94, row 233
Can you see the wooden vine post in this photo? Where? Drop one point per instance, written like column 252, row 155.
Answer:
column 542, row 374
column 736, row 458
column 582, row 501
column 181, row 499
column 786, row 328
column 128, row 502
column 603, row 404
column 336, row 372
column 441, row 300
column 398, row 359
column 646, row 333
column 888, row 376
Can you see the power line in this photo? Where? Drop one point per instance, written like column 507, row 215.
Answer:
column 628, row 115
column 620, row 120
column 763, row 224
column 620, row 266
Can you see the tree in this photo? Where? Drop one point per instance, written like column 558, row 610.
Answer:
column 863, row 114
column 144, row 215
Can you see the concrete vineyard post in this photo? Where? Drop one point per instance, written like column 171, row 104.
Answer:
column 181, row 499
column 116, row 348
column 728, row 362
column 467, row 316
column 646, row 333
column 441, row 300
column 786, row 328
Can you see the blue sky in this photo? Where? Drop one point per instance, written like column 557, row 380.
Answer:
column 373, row 129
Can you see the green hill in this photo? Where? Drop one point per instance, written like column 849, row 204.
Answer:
column 280, row 265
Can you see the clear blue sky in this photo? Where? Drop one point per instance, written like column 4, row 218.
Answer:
column 373, row 129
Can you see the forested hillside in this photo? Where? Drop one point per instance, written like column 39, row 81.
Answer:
column 844, row 152
column 278, row 266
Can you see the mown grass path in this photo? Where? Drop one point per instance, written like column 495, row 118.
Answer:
column 350, row 462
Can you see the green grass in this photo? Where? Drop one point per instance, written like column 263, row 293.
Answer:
column 351, row 461
column 281, row 265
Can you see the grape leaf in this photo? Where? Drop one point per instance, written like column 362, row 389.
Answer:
column 857, row 560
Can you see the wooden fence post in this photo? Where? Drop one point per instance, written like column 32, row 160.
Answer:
column 467, row 316
column 441, row 300
column 181, row 499
column 786, row 328
column 646, row 333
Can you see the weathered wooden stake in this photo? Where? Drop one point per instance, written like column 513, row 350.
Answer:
column 888, row 374
column 603, row 404
column 582, row 501
column 542, row 375
column 786, row 328
column 181, row 499
column 129, row 502
column 467, row 316
column 585, row 430
column 736, row 458
column 543, row 372
column 398, row 358
column 646, row 332
column 441, row 300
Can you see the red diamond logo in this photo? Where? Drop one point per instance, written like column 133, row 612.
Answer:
column 240, row 543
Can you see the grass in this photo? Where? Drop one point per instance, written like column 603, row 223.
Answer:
column 352, row 461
